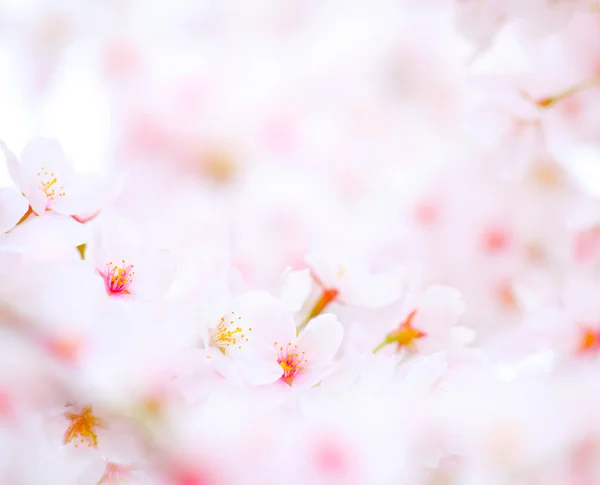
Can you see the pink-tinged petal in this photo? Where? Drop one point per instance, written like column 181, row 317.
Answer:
column 321, row 339
column 322, row 269
column 12, row 208
column 12, row 164
column 37, row 198
column 258, row 365
column 86, row 217
column 296, row 289
column 311, row 375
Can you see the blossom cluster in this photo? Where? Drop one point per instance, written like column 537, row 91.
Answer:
column 352, row 243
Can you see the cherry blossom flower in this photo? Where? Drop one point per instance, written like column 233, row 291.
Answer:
column 83, row 428
column 346, row 279
column 49, row 182
column 127, row 266
column 431, row 324
column 303, row 360
column 344, row 243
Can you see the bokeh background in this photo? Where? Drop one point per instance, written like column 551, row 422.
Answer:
column 406, row 131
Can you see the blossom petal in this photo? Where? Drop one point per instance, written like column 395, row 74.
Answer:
column 45, row 152
column 374, row 291
column 48, row 234
column 268, row 317
column 12, row 207
column 12, row 164
column 154, row 274
column 258, row 365
column 322, row 338
column 296, row 289
column 37, row 198
column 439, row 307
column 84, row 195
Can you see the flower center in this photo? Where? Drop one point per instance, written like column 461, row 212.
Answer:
column 229, row 333
column 49, row 185
column 291, row 360
column 589, row 340
column 118, row 277
column 405, row 335
column 82, row 427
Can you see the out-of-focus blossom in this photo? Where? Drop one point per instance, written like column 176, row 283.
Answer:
column 329, row 242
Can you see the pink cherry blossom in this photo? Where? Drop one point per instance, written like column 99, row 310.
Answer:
column 127, row 266
column 300, row 242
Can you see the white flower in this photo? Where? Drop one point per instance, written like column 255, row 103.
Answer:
column 48, row 182
column 347, row 279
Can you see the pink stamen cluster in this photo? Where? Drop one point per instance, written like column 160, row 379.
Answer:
column 118, row 277
column 291, row 360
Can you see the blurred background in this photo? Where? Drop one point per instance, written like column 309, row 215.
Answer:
column 410, row 132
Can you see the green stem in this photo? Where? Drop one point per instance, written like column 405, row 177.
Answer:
column 385, row 342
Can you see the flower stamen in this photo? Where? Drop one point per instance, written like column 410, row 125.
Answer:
column 118, row 278
column 229, row 333
column 83, row 428
column 48, row 181
column 291, row 360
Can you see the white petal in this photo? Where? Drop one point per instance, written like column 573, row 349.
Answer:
column 462, row 335
column 374, row 291
column 311, row 375
column 424, row 371
column 322, row 268
column 85, row 194
column 296, row 289
column 45, row 152
column 258, row 365
column 13, row 165
column 321, row 338
column 50, row 232
column 439, row 307
column 268, row 317
column 12, row 207
column 66, row 294
column 37, row 198
column 155, row 273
